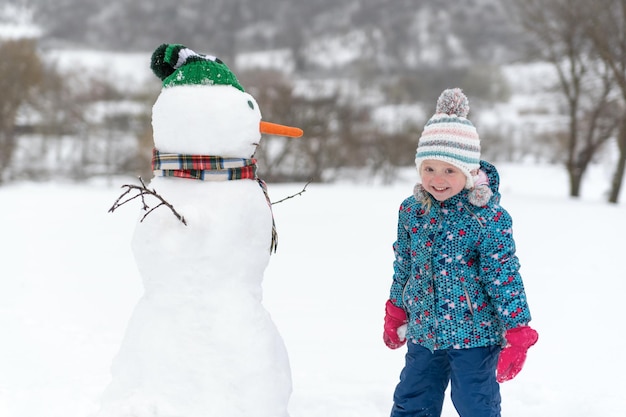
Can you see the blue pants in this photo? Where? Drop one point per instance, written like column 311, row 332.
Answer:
column 425, row 377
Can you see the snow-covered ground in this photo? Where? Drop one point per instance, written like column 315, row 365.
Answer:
column 69, row 284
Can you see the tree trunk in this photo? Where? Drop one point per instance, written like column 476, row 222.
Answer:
column 7, row 147
column 575, row 181
column 616, row 184
column 618, row 176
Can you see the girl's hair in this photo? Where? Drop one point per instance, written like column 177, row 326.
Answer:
column 427, row 203
column 422, row 197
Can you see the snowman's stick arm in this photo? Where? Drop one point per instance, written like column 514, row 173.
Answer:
column 142, row 192
column 166, row 204
column 118, row 204
column 293, row 195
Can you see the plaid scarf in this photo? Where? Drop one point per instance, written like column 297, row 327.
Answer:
column 210, row 168
column 202, row 167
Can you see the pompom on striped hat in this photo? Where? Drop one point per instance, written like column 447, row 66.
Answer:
column 450, row 137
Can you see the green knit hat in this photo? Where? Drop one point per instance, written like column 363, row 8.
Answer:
column 178, row 65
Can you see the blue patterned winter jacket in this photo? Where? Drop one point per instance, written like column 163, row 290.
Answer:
column 455, row 272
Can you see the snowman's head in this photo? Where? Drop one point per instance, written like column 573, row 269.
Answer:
column 218, row 120
column 202, row 108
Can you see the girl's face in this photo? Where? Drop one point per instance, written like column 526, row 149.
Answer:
column 441, row 179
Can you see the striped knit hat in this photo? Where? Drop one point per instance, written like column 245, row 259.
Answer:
column 449, row 137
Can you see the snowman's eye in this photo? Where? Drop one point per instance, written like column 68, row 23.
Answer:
column 251, row 104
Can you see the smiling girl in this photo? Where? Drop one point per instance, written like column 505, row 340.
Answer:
column 457, row 295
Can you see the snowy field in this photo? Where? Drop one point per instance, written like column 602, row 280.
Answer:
column 69, row 284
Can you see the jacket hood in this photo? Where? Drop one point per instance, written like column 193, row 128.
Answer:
column 494, row 178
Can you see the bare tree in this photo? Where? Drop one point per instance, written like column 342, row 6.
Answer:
column 21, row 72
column 333, row 131
column 606, row 28
column 557, row 28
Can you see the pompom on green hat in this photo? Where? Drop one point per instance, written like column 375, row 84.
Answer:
column 177, row 65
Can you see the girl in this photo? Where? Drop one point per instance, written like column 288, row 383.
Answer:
column 456, row 295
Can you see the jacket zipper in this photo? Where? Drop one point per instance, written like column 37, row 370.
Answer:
column 474, row 215
column 468, row 300
column 467, row 295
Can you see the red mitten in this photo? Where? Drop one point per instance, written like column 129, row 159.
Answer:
column 512, row 357
column 394, row 318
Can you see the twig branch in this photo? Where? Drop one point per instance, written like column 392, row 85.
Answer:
column 142, row 191
column 292, row 196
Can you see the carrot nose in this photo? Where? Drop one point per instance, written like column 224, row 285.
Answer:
column 280, row 130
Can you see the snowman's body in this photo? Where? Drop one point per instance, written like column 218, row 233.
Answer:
column 200, row 342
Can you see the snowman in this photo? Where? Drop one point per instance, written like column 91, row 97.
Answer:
column 199, row 342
